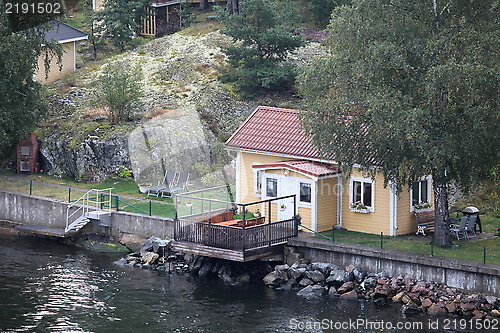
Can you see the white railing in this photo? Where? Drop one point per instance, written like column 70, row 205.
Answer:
column 93, row 200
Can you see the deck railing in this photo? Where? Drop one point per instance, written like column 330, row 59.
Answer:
column 197, row 224
column 235, row 238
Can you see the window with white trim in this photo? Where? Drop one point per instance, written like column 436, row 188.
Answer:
column 362, row 194
column 420, row 194
column 272, row 187
column 305, row 192
column 258, row 182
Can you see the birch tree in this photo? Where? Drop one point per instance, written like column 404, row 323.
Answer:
column 410, row 88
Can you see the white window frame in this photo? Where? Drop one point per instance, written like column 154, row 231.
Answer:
column 429, row 192
column 259, row 177
column 266, row 177
column 305, row 203
column 351, row 191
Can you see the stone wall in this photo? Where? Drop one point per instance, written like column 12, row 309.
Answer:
column 467, row 275
column 31, row 209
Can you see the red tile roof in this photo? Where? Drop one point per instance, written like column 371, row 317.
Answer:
column 307, row 167
column 274, row 130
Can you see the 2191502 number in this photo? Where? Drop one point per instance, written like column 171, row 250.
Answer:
column 32, row 8
column 471, row 324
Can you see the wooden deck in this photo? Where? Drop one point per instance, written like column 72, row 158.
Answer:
column 233, row 242
column 44, row 231
column 267, row 252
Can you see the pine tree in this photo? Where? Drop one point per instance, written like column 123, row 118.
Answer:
column 264, row 37
column 121, row 20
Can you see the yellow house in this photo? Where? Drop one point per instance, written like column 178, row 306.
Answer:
column 97, row 5
column 67, row 36
column 275, row 158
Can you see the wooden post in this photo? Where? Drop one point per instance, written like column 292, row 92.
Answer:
column 69, row 194
column 244, row 216
column 269, row 211
column 31, row 187
column 295, row 205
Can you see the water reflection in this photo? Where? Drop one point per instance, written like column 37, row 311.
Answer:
column 47, row 287
column 63, row 293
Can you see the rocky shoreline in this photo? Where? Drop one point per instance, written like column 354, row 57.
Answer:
column 326, row 279
column 320, row 279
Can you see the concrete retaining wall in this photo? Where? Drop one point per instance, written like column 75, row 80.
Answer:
column 31, row 209
column 467, row 275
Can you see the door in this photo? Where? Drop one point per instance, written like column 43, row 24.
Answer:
column 285, row 206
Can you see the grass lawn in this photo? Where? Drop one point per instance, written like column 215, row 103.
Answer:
column 464, row 249
column 59, row 190
column 157, row 208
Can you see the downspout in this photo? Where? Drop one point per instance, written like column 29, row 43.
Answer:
column 339, row 201
column 393, row 210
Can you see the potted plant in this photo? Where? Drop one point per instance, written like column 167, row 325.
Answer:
column 144, row 187
column 298, row 218
column 358, row 207
column 421, row 206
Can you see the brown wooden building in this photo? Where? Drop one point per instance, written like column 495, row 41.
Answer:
column 164, row 17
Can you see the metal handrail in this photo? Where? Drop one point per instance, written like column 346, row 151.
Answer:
column 86, row 201
column 83, row 208
column 120, row 200
column 315, row 232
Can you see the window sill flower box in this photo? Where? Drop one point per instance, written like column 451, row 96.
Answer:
column 422, row 207
column 358, row 207
column 421, row 210
column 362, row 211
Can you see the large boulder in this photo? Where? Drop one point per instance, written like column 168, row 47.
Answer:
column 315, row 276
column 92, row 159
column 276, row 278
column 359, row 274
column 312, row 291
column 323, row 267
column 206, row 268
column 295, row 273
column 195, row 264
column 153, row 244
column 336, row 276
column 149, row 257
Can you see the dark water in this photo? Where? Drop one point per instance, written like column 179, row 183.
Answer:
column 49, row 287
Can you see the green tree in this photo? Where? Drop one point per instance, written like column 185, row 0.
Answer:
column 322, row 9
column 90, row 25
column 410, row 86
column 120, row 89
column 121, row 20
column 264, row 37
column 21, row 97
